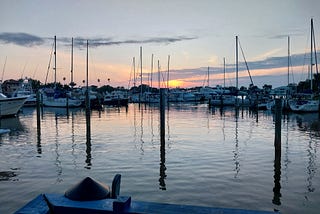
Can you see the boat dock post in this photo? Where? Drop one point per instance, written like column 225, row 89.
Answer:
column 277, row 152
column 162, row 114
column 38, row 111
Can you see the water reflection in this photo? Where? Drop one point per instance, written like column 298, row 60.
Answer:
column 88, row 142
column 57, row 161
column 12, row 123
column 236, row 150
column 8, row 175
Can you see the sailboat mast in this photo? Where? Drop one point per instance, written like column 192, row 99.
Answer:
column 159, row 75
column 140, row 73
column 55, row 60
column 208, row 77
column 168, row 72
column 288, row 59
column 237, row 63
column 87, row 70
column 224, row 73
column 151, row 70
column 71, row 62
column 311, row 55
column 134, row 72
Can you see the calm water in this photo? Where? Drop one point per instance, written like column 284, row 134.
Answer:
column 212, row 157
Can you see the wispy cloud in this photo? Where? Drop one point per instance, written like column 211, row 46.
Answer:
column 96, row 42
column 22, row 39
column 28, row 40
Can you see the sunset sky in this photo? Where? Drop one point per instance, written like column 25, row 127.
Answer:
column 196, row 35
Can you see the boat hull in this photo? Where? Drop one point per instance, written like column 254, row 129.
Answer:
column 11, row 106
column 61, row 102
column 53, row 203
column 304, row 105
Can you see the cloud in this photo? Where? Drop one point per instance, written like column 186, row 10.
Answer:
column 96, row 42
column 28, row 40
column 22, row 39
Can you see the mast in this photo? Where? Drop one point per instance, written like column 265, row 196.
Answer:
column 134, row 72
column 208, row 77
column 140, row 73
column 311, row 54
column 71, row 62
column 55, row 60
column 224, row 73
column 151, row 70
column 87, row 81
column 288, row 59
column 159, row 76
column 237, row 63
column 168, row 72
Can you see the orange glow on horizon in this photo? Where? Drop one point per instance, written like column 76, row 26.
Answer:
column 177, row 84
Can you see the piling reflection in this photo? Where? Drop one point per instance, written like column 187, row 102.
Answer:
column 162, row 184
column 88, row 142
column 57, row 161
column 236, row 150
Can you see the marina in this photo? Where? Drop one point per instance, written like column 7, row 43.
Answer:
column 213, row 157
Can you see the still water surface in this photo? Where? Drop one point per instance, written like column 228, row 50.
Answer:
column 212, row 157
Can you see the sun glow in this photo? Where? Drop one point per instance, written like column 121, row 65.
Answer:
column 176, row 84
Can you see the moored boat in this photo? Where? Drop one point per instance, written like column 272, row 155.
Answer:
column 10, row 106
column 90, row 196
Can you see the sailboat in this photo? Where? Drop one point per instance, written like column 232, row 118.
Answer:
column 307, row 102
column 54, row 97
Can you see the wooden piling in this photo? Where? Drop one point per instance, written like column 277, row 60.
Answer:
column 38, row 97
column 162, row 114
column 38, row 111
column 278, row 117
column 277, row 153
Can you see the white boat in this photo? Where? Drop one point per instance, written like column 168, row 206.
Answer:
column 117, row 98
column 10, row 106
column 223, row 100
column 53, row 98
column 304, row 105
column 26, row 90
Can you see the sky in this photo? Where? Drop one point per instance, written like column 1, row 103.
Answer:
column 185, row 37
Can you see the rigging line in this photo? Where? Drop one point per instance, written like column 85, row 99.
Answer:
column 244, row 58
column 130, row 75
column 4, row 67
column 315, row 50
column 291, row 69
column 35, row 70
column 163, row 80
column 45, row 82
column 24, row 68
column 204, row 80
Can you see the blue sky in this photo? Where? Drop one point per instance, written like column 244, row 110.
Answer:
column 196, row 34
